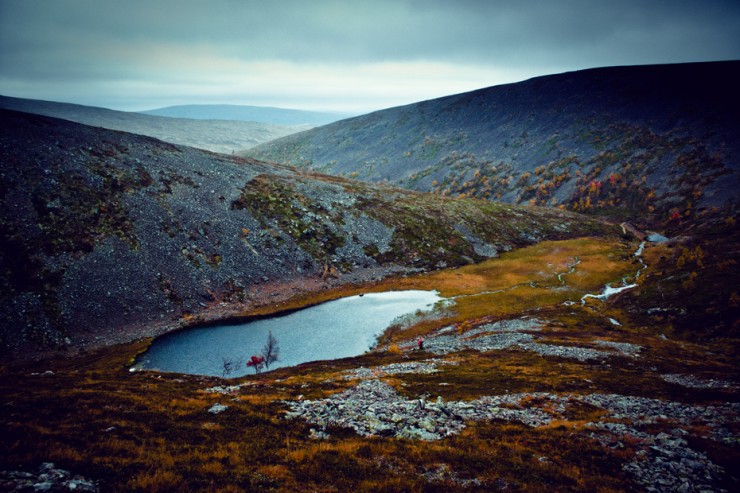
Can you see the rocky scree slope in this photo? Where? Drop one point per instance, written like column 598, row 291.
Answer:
column 108, row 236
column 643, row 142
column 221, row 135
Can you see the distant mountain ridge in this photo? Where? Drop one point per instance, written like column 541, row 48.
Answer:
column 261, row 114
column 647, row 142
column 213, row 135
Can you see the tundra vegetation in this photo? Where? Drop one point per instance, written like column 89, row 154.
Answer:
column 531, row 378
column 148, row 431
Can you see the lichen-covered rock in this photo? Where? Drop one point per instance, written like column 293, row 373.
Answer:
column 47, row 478
column 664, row 462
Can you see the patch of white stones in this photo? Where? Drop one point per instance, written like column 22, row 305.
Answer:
column 47, row 478
column 418, row 367
column 624, row 348
column 489, row 337
column 217, row 408
column 223, row 389
column 373, row 407
column 570, row 352
column 664, row 462
column 585, row 354
column 693, row 382
column 517, row 333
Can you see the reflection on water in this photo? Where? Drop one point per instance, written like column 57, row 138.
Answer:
column 336, row 329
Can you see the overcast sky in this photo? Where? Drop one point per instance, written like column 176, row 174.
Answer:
column 349, row 56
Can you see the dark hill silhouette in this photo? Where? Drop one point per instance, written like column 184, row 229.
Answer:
column 645, row 142
column 214, row 135
column 106, row 236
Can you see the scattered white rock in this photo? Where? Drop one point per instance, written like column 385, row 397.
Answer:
column 489, row 337
column 220, row 389
column 512, row 325
column 503, row 335
column 217, row 408
column 442, row 473
column 571, row 352
column 664, row 462
column 318, row 434
column 693, row 382
column 48, row 478
column 624, row 348
column 418, row 367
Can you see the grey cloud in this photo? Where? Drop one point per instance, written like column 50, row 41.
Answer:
column 93, row 40
column 371, row 30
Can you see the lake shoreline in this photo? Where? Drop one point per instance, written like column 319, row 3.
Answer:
column 344, row 327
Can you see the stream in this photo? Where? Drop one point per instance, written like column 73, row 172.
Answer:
column 611, row 291
column 335, row 329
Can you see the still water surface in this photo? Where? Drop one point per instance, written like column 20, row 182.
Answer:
column 336, row 329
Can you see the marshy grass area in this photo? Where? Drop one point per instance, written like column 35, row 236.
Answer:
column 151, row 431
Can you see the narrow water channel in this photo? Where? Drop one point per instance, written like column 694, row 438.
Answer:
column 609, row 290
column 332, row 330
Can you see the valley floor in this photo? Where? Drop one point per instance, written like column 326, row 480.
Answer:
column 523, row 384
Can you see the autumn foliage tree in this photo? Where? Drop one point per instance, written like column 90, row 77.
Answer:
column 270, row 354
column 256, row 362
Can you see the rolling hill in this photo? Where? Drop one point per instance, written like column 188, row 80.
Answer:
column 646, row 143
column 261, row 114
column 223, row 136
column 107, row 236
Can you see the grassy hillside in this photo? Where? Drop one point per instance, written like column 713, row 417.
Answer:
column 108, row 236
column 645, row 143
column 216, row 135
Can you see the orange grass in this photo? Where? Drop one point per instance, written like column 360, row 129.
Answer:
column 522, row 280
column 150, row 432
column 602, row 261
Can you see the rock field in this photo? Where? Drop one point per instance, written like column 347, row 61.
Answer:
column 47, row 478
column 663, row 460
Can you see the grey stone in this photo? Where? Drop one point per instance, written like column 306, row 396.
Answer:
column 217, row 408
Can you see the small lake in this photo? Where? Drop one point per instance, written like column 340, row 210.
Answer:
column 335, row 329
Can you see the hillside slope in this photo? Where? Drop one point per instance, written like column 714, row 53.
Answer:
column 261, row 114
column 107, row 236
column 645, row 142
column 224, row 136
